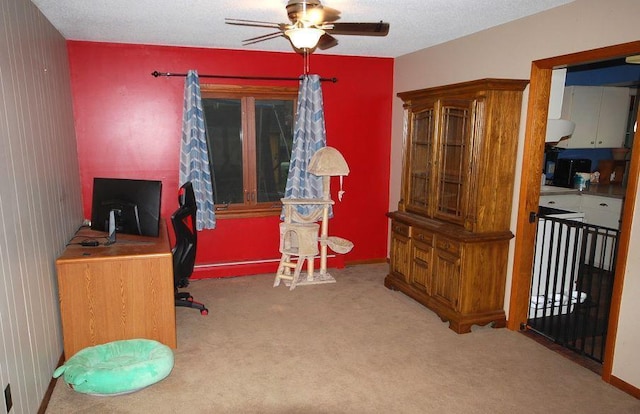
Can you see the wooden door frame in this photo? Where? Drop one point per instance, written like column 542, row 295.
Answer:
column 536, row 123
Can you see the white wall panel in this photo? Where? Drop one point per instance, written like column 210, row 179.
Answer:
column 40, row 205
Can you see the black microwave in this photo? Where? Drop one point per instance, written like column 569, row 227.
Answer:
column 566, row 168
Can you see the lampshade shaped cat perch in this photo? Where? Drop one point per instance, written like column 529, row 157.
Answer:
column 299, row 237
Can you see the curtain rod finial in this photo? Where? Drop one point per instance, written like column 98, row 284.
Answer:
column 155, row 73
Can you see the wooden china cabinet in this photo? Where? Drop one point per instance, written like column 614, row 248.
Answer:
column 450, row 235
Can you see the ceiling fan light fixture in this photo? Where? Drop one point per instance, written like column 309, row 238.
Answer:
column 304, row 37
column 311, row 26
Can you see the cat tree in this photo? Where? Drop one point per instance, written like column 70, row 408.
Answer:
column 299, row 238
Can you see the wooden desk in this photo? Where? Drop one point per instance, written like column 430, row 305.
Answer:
column 122, row 291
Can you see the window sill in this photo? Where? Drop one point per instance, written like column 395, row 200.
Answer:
column 248, row 213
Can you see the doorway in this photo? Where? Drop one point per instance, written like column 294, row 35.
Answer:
column 530, row 191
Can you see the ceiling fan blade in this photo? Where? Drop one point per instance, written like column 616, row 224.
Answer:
column 262, row 38
column 330, row 14
column 254, row 23
column 361, row 29
column 327, row 41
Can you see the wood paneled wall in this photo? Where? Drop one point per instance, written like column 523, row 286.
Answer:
column 40, row 199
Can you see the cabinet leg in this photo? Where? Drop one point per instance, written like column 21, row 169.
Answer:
column 388, row 284
column 500, row 323
column 460, row 328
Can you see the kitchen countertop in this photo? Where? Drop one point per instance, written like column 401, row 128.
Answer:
column 603, row 190
column 553, row 190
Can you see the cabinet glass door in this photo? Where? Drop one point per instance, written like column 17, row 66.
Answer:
column 420, row 160
column 453, row 158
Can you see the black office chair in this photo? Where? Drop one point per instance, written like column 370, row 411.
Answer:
column 184, row 251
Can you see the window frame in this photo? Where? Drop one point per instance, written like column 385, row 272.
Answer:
column 248, row 94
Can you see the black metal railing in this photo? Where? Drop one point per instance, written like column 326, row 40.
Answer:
column 572, row 283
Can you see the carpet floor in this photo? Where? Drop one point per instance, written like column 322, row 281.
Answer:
column 348, row 347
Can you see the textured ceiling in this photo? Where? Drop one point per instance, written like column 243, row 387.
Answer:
column 415, row 24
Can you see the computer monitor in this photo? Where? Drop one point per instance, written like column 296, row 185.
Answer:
column 135, row 204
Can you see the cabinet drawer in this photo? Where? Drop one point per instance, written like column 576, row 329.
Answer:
column 602, row 211
column 571, row 202
column 401, row 228
column 422, row 236
column 602, row 203
column 448, row 246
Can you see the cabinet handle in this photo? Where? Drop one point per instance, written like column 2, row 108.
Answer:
column 420, row 237
column 604, row 205
column 551, row 202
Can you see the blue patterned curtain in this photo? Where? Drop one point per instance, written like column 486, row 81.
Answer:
column 194, row 157
column 308, row 137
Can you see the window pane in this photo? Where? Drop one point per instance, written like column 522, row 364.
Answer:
column 224, row 129
column 274, row 137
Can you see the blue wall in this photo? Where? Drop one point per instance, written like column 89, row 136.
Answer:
column 615, row 72
column 593, row 154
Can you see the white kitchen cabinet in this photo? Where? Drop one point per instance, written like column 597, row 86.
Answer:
column 600, row 242
column 598, row 210
column 570, row 202
column 600, row 114
column 602, row 211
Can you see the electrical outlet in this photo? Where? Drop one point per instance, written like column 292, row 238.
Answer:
column 7, row 397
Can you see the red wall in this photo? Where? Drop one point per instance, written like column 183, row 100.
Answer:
column 128, row 125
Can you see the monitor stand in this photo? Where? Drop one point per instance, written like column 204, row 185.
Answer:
column 112, row 228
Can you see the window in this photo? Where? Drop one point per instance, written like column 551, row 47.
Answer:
column 249, row 135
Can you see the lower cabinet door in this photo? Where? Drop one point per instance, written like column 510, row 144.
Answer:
column 446, row 278
column 400, row 256
column 421, row 267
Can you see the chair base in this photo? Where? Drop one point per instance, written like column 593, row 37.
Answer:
column 184, row 299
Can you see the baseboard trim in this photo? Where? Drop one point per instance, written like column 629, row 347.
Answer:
column 625, row 386
column 52, row 385
column 363, row 262
column 252, row 267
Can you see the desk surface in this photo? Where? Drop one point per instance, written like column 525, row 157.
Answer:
column 125, row 245
column 121, row 291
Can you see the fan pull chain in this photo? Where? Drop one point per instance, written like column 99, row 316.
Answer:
column 305, row 60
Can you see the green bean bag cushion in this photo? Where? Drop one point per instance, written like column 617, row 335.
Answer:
column 117, row 367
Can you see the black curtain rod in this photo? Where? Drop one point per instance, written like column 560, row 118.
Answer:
column 155, row 74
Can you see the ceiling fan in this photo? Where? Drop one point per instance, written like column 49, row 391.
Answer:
column 312, row 25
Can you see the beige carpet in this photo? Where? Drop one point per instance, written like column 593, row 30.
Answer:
column 348, row 347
